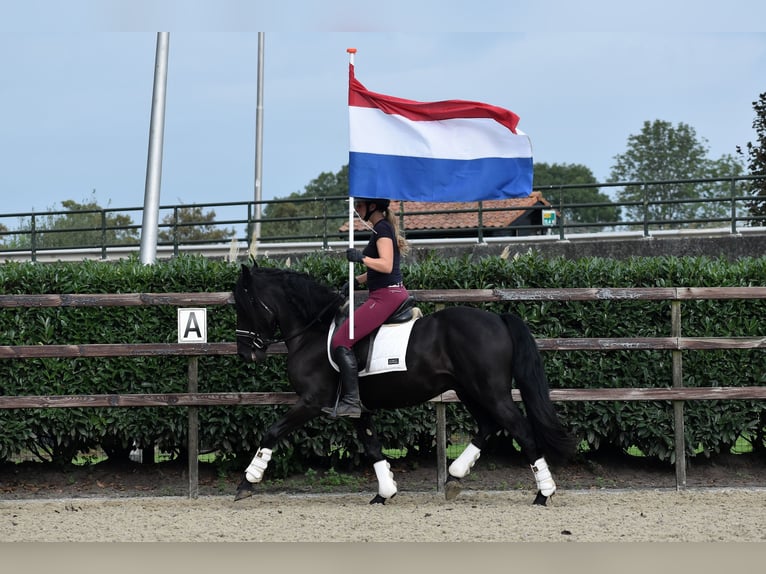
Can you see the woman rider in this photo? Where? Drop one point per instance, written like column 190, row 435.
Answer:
column 381, row 256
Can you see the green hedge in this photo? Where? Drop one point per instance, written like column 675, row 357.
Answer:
column 58, row 435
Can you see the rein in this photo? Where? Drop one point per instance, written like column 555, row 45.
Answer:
column 258, row 342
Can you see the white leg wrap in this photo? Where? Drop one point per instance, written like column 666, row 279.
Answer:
column 463, row 464
column 254, row 472
column 543, row 477
column 386, row 482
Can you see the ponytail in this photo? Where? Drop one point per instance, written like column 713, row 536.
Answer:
column 401, row 241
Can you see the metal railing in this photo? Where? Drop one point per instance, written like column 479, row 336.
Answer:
column 317, row 221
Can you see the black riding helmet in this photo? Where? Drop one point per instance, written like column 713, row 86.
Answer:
column 380, row 205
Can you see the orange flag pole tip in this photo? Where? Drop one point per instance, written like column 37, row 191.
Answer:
column 351, row 50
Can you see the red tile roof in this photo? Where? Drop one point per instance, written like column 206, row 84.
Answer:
column 421, row 215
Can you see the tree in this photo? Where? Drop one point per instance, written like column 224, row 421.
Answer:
column 82, row 225
column 662, row 152
column 191, row 225
column 580, row 205
column 307, row 217
column 756, row 162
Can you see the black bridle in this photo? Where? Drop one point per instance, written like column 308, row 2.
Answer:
column 256, row 341
column 254, row 338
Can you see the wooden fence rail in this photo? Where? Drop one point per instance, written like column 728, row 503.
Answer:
column 193, row 399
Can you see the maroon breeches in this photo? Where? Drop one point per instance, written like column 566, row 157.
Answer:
column 370, row 315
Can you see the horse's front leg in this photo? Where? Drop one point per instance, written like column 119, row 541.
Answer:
column 296, row 417
column 387, row 488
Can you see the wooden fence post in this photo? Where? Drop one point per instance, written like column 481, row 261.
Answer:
column 193, row 438
column 678, row 406
column 441, row 436
column 441, row 446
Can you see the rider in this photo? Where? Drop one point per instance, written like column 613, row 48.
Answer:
column 381, row 256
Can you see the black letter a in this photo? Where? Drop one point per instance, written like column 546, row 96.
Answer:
column 195, row 328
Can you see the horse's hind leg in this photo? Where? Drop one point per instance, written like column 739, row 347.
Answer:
column 508, row 414
column 387, row 488
column 521, row 429
column 463, row 464
column 496, row 414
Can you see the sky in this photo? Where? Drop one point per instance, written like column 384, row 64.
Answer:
column 76, row 87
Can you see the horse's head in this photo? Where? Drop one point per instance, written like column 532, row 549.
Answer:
column 256, row 322
column 269, row 299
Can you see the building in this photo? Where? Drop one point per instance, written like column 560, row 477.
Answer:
column 522, row 216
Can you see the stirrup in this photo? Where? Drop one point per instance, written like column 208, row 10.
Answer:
column 344, row 405
column 344, row 409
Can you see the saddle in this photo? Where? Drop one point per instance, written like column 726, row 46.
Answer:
column 385, row 348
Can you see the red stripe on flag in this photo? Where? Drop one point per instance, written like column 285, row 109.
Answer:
column 361, row 97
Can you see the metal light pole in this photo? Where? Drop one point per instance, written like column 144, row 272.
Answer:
column 258, row 147
column 150, row 221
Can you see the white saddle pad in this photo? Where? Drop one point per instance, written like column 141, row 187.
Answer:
column 389, row 347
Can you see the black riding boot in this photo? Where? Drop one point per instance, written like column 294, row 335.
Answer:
column 349, row 404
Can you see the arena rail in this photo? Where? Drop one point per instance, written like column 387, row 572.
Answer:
column 193, row 399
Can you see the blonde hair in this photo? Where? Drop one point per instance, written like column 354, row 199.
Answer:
column 401, row 241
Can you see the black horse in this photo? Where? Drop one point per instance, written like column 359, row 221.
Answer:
column 476, row 353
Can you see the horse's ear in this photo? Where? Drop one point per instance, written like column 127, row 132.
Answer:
column 245, row 270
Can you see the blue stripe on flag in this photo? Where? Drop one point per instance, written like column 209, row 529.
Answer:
column 426, row 179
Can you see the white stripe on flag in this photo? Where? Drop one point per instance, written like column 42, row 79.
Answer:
column 373, row 131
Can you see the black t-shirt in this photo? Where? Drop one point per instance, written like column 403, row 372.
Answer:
column 376, row 279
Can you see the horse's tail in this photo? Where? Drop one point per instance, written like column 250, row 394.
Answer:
column 527, row 364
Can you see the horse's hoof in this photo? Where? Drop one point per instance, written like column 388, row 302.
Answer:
column 540, row 499
column 244, row 490
column 243, row 494
column 452, row 488
column 378, row 500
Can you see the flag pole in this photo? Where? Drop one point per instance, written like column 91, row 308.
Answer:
column 351, row 52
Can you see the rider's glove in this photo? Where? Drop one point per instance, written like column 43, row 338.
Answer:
column 354, row 255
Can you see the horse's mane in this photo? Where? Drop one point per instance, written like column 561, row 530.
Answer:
column 307, row 297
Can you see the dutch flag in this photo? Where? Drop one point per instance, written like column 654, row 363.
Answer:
column 452, row 150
